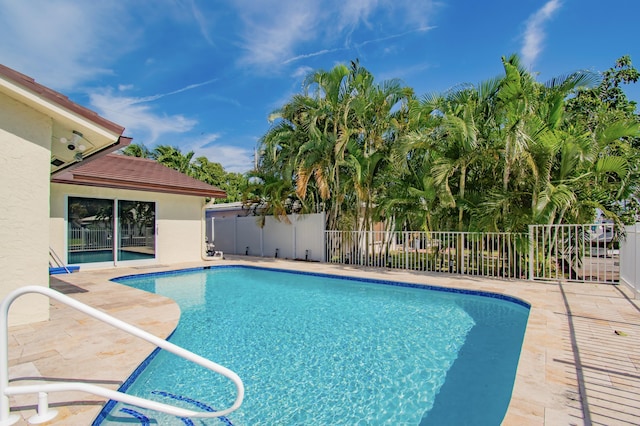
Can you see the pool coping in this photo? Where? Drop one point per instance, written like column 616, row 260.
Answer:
column 548, row 388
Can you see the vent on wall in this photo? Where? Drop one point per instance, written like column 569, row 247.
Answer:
column 57, row 162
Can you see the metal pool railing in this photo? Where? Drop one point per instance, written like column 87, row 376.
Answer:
column 43, row 412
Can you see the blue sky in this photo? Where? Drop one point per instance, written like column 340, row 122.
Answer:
column 203, row 75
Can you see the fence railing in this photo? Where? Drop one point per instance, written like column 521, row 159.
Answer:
column 488, row 254
column 546, row 252
column 82, row 239
column 584, row 253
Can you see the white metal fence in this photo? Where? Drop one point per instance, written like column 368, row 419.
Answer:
column 83, row 239
column 488, row 254
column 585, row 253
column 548, row 252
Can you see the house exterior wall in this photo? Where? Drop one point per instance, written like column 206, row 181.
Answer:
column 25, row 141
column 179, row 224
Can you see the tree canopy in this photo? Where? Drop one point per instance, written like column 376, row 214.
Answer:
column 495, row 156
column 200, row 168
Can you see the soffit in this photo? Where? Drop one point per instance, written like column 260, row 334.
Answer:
column 97, row 133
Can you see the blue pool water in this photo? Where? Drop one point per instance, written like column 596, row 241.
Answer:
column 91, row 256
column 319, row 350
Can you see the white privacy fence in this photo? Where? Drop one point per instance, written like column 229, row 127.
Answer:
column 301, row 238
column 629, row 252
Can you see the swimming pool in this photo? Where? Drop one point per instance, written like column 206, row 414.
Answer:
column 319, row 349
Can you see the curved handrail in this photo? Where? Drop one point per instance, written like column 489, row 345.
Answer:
column 6, row 390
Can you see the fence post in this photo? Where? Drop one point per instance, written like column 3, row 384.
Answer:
column 406, row 249
column 293, row 237
column 531, row 262
column 262, row 241
column 461, row 257
column 325, row 235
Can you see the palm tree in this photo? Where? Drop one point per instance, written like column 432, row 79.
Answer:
column 328, row 127
column 492, row 157
column 339, row 108
column 137, row 150
column 173, row 158
column 270, row 195
column 363, row 169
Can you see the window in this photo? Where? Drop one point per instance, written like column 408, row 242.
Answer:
column 92, row 230
column 137, row 230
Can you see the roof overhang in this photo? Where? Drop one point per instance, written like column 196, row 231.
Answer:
column 122, row 142
column 137, row 174
column 146, row 187
column 69, row 120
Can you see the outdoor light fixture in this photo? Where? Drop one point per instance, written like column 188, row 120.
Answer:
column 74, row 143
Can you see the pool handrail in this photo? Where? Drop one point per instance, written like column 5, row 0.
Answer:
column 43, row 413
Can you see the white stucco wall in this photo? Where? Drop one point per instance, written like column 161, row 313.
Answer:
column 25, row 143
column 178, row 220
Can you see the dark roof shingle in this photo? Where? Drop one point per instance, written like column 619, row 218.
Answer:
column 59, row 99
column 141, row 174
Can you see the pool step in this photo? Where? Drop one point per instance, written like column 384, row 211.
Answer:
column 146, row 421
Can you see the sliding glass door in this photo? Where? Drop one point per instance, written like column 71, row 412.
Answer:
column 137, row 230
column 93, row 228
column 90, row 230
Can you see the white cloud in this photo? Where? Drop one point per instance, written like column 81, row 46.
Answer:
column 272, row 28
column 205, row 140
column 301, row 72
column 201, row 21
column 150, row 128
column 224, row 99
column 232, row 158
column 275, row 31
column 534, row 34
column 135, row 116
column 140, row 120
column 312, row 54
column 173, row 92
column 65, row 40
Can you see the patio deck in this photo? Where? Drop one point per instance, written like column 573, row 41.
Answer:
column 574, row 369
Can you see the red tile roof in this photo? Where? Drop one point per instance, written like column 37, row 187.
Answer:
column 140, row 174
column 58, row 98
